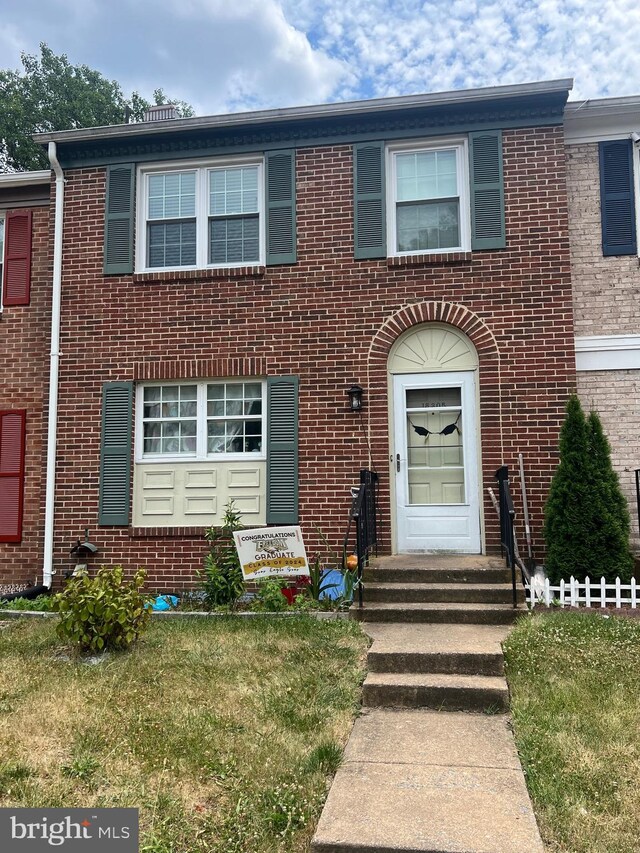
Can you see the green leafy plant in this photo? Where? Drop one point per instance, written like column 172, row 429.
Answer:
column 351, row 583
column 319, row 583
column 43, row 603
column 269, row 597
column 104, row 612
column 221, row 580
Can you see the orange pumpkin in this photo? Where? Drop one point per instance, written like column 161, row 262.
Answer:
column 351, row 562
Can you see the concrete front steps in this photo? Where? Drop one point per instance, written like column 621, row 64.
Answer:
column 442, row 666
column 437, row 624
column 415, row 779
column 437, row 611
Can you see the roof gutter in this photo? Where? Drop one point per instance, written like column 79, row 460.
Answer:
column 47, row 571
column 346, row 108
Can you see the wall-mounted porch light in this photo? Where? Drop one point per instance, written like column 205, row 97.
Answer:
column 355, row 398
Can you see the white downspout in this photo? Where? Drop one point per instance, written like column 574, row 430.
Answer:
column 47, row 571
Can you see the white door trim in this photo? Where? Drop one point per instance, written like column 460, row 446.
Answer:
column 437, row 527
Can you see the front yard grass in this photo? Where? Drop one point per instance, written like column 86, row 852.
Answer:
column 575, row 701
column 223, row 733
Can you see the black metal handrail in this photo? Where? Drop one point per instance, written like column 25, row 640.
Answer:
column 507, row 514
column 363, row 515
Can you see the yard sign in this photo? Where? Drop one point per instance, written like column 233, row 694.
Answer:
column 271, row 551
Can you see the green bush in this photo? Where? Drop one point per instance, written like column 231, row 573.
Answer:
column 104, row 612
column 41, row 604
column 221, row 580
column 611, row 535
column 269, row 597
column 586, row 526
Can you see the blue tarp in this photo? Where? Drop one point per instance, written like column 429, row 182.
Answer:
column 164, row 602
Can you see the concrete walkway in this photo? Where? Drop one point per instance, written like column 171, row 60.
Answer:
column 421, row 774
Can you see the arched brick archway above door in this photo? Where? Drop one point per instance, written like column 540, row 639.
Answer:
column 485, row 354
column 452, row 313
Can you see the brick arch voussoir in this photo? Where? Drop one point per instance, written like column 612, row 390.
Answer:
column 452, row 313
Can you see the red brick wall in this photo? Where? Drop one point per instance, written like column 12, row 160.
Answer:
column 24, row 365
column 318, row 319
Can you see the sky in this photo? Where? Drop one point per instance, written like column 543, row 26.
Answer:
column 232, row 55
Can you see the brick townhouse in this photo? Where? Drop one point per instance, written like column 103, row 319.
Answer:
column 225, row 280
column 603, row 178
column 25, row 321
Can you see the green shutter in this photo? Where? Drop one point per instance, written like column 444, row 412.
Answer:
column 115, row 453
column 118, row 220
column 282, row 450
column 487, row 190
column 369, row 200
column 281, row 207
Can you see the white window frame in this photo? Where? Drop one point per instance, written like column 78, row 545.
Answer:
column 201, row 454
column 461, row 146
column 202, row 169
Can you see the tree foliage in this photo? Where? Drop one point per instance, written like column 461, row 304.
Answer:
column 50, row 93
column 611, row 534
column 586, row 517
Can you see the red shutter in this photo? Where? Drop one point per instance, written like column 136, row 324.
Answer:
column 12, row 431
column 17, row 258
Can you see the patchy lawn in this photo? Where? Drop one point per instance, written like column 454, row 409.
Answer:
column 224, row 733
column 575, row 684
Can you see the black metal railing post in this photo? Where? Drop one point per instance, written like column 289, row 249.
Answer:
column 363, row 513
column 638, row 495
column 507, row 516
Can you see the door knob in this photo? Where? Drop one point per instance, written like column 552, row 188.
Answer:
column 397, row 461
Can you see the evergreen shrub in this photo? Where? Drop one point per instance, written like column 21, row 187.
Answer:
column 586, row 520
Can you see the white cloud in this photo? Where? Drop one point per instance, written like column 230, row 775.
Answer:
column 405, row 46
column 222, row 55
column 218, row 55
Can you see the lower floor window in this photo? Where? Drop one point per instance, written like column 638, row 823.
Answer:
column 200, row 420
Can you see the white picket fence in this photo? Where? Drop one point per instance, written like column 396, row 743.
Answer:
column 573, row 593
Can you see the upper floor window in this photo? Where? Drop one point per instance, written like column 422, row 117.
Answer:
column 201, row 420
column 208, row 216
column 428, row 198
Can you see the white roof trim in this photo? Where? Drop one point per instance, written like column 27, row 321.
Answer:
column 25, row 179
column 601, row 120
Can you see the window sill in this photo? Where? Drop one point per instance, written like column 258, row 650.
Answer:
column 173, row 532
column 218, row 458
column 438, row 258
column 171, row 276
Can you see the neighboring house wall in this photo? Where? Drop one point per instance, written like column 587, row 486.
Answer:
column 330, row 320
column 24, row 346
column 606, row 293
column 606, row 289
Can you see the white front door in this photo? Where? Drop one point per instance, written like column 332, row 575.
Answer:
column 435, row 460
